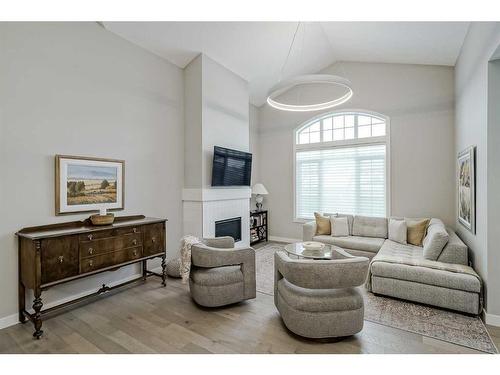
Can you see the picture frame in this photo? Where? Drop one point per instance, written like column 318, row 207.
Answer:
column 466, row 185
column 84, row 184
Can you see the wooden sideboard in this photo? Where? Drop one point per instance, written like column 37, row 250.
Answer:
column 55, row 254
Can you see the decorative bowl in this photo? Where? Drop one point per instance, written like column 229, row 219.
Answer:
column 102, row 220
column 312, row 245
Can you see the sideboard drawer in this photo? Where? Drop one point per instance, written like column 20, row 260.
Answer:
column 154, row 241
column 106, row 245
column 110, row 259
column 59, row 258
column 110, row 233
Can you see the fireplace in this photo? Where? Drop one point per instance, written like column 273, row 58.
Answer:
column 229, row 227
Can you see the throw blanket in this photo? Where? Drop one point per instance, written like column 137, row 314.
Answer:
column 420, row 262
column 185, row 263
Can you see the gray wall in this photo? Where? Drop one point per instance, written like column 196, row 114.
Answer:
column 77, row 89
column 419, row 101
column 193, row 116
column 493, row 187
column 471, row 128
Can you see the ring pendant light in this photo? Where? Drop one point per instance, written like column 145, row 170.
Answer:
column 287, row 84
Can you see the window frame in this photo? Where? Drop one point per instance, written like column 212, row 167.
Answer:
column 386, row 140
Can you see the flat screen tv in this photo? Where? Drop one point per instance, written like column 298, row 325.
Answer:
column 231, row 167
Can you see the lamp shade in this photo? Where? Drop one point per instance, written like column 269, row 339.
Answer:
column 259, row 189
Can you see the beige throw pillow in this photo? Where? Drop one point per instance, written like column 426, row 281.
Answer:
column 398, row 231
column 339, row 227
column 416, row 230
column 322, row 224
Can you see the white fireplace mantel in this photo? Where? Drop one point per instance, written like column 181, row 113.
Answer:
column 215, row 194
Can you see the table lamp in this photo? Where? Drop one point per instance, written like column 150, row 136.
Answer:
column 259, row 190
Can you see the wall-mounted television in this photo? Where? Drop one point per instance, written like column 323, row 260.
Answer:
column 231, row 167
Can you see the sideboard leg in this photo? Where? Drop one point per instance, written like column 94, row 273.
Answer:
column 144, row 269
column 37, row 319
column 164, row 270
column 22, row 302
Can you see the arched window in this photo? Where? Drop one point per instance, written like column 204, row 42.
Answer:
column 341, row 165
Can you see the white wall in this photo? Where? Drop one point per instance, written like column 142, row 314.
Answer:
column 471, row 128
column 77, row 89
column 419, row 101
column 217, row 114
column 254, row 148
column 225, row 113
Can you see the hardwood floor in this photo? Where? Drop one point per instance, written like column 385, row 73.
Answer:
column 146, row 318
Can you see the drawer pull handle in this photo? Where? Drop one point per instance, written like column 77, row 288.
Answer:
column 61, row 259
column 91, row 263
column 134, row 230
column 90, row 237
column 153, row 240
column 134, row 242
column 91, row 251
column 134, row 253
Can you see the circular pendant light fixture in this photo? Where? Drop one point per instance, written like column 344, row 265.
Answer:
column 276, row 95
column 308, row 79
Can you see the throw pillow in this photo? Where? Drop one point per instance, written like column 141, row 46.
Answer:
column 397, row 231
column 416, row 230
column 339, row 226
column 322, row 224
column 436, row 239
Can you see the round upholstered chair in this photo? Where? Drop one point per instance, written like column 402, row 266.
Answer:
column 319, row 298
column 220, row 273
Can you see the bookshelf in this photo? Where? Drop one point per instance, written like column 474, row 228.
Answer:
column 258, row 227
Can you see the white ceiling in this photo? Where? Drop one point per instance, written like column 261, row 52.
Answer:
column 257, row 50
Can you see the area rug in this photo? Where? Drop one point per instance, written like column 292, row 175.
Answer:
column 428, row 321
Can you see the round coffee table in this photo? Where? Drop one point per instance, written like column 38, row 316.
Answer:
column 297, row 249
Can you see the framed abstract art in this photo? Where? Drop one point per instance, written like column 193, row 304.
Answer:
column 466, row 189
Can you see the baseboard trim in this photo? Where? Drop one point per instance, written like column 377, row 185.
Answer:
column 9, row 320
column 283, row 239
column 491, row 319
column 13, row 319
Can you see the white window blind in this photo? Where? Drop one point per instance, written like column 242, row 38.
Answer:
column 349, row 180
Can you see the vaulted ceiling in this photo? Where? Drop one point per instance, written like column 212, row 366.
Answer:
column 257, row 50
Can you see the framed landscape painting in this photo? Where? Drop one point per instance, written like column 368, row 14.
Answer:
column 466, row 189
column 88, row 184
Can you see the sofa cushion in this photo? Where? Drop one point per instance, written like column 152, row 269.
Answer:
column 429, row 276
column 318, row 300
column 367, row 226
column 435, row 240
column 350, row 219
column 455, row 251
column 416, row 230
column 216, row 276
column 397, row 231
column 418, row 273
column 370, row 244
column 340, row 226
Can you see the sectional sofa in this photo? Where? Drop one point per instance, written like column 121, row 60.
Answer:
column 443, row 278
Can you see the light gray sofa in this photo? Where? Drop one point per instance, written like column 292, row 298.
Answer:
column 402, row 271
column 220, row 274
column 319, row 298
